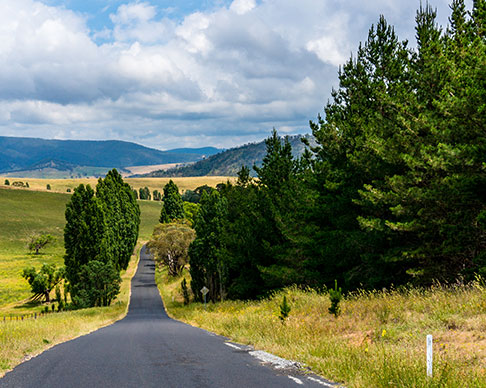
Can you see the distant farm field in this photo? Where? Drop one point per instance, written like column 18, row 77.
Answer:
column 62, row 185
column 27, row 212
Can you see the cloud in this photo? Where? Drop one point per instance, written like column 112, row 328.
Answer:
column 218, row 77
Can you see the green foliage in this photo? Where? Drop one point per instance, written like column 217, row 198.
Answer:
column 144, row 193
column 40, row 241
column 173, row 207
column 99, row 238
column 190, row 212
column 194, row 196
column 169, row 245
column 284, row 309
column 122, row 217
column 7, row 182
column 84, row 233
column 185, row 291
column 157, row 195
column 48, row 186
column 44, row 280
column 335, row 296
column 392, row 192
column 99, row 284
column 207, row 265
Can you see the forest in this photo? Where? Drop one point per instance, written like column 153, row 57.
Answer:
column 394, row 191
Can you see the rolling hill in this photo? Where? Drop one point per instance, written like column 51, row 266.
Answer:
column 229, row 162
column 26, row 155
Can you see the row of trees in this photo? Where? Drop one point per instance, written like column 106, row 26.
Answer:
column 394, row 191
column 100, row 235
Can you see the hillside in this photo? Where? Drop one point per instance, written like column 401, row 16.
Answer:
column 26, row 213
column 31, row 154
column 229, row 162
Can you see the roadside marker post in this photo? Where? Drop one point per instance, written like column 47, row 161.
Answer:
column 204, row 291
column 429, row 355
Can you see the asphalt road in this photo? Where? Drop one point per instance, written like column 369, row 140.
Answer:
column 148, row 349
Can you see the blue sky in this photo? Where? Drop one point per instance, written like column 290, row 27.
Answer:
column 98, row 12
column 183, row 73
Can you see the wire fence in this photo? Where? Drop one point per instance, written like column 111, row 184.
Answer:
column 17, row 318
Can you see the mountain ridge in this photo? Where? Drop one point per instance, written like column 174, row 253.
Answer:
column 229, row 162
column 25, row 153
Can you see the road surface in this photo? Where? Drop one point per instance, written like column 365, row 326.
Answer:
column 149, row 349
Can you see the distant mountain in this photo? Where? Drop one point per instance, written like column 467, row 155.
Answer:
column 206, row 151
column 229, row 162
column 26, row 154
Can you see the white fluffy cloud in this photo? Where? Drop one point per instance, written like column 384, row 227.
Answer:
column 220, row 77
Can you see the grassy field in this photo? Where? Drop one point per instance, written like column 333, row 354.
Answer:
column 26, row 212
column 378, row 341
column 20, row 340
column 61, row 185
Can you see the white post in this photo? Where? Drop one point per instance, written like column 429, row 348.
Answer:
column 429, row 355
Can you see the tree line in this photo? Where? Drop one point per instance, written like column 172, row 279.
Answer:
column 99, row 238
column 393, row 193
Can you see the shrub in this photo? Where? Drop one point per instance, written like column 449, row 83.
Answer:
column 335, row 296
column 284, row 309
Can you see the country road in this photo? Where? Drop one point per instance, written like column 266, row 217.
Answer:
column 149, row 349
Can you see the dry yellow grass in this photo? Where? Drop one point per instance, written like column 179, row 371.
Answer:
column 378, row 341
column 147, row 169
column 21, row 340
column 61, row 185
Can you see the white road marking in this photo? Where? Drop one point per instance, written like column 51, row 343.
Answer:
column 232, row 346
column 277, row 362
column 298, row 381
column 321, row 382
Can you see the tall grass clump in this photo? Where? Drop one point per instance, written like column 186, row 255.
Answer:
column 378, row 340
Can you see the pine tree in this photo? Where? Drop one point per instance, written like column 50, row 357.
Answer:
column 206, row 253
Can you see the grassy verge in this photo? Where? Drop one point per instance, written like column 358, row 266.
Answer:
column 378, row 341
column 20, row 340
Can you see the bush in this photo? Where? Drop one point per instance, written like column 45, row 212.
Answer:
column 98, row 286
column 48, row 186
column 7, row 182
column 335, row 296
column 284, row 309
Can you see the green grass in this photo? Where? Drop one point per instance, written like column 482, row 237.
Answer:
column 377, row 341
column 25, row 213
column 20, row 340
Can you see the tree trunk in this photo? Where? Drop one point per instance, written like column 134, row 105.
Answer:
column 46, row 294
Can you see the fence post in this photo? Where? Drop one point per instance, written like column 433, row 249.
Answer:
column 429, row 355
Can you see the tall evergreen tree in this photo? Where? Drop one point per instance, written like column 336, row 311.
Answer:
column 84, row 233
column 173, row 206
column 208, row 267
column 122, row 216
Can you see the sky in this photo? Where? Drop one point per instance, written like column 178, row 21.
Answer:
column 183, row 73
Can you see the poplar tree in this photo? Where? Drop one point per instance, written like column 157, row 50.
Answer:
column 122, row 217
column 173, row 206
